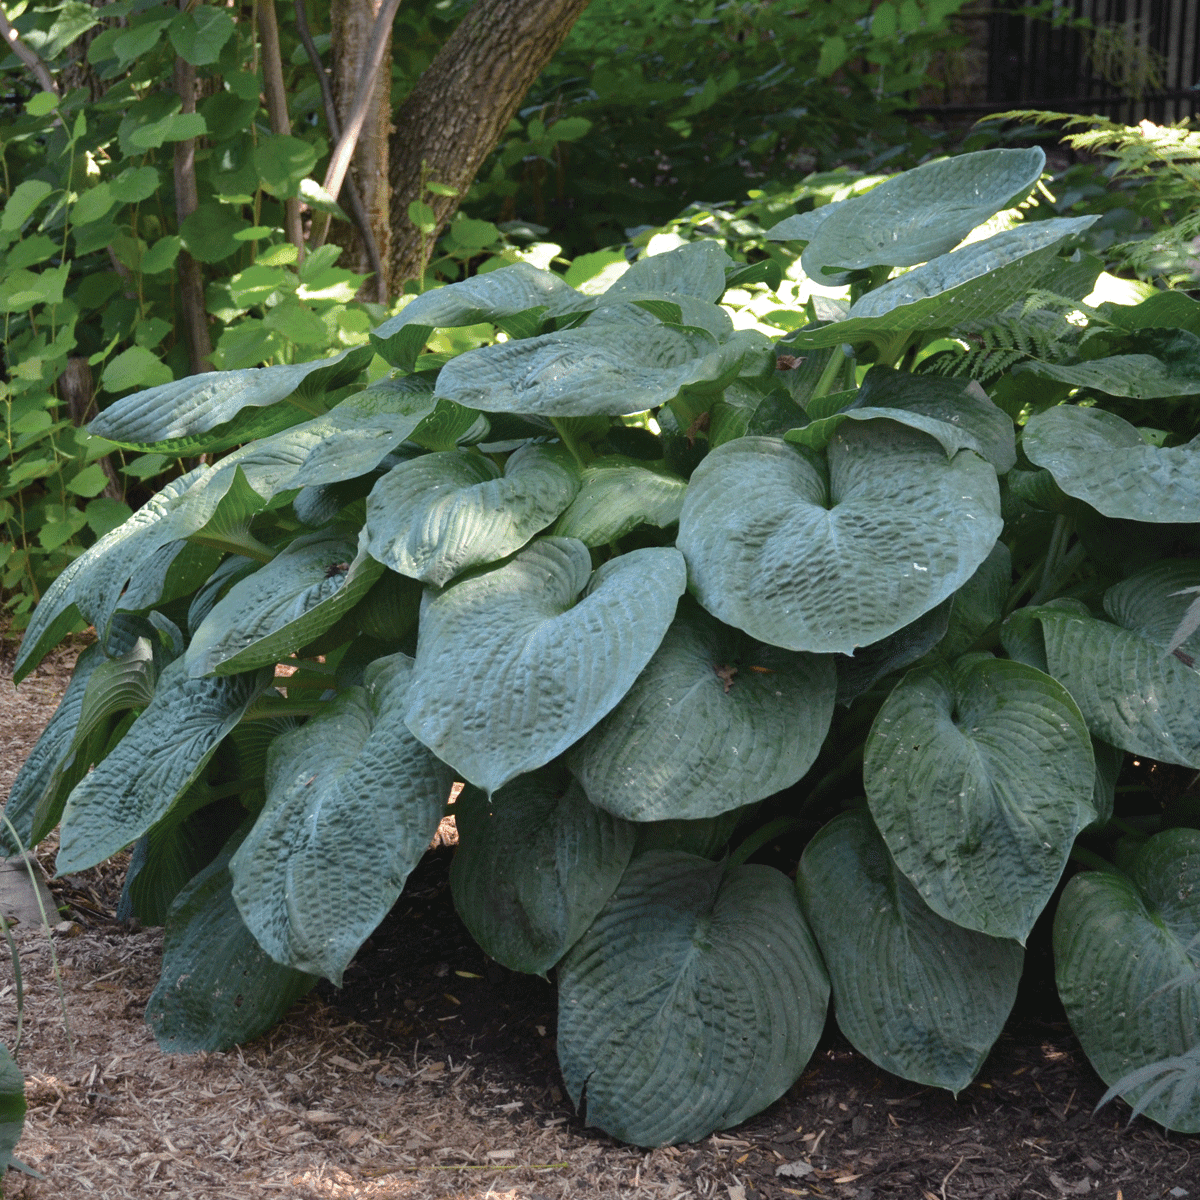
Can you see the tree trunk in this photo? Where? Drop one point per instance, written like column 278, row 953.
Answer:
column 462, row 104
column 350, row 23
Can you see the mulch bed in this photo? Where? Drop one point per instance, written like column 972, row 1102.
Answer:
column 433, row 1073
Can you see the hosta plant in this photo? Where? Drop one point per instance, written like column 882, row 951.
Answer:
column 662, row 592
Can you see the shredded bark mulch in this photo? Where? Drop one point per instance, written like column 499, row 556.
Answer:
column 433, row 1073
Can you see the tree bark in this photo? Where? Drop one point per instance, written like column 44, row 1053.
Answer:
column 191, row 279
column 350, row 23
column 460, row 108
column 275, row 93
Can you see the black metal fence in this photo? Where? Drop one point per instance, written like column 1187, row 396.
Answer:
column 1140, row 59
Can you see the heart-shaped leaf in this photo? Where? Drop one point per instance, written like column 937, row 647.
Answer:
column 971, row 284
column 433, row 517
column 1102, row 460
column 1132, row 694
column 1127, row 961
column 921, row 213
column 693, row 1001
column 517, row 663
column 163, row 753
column 353, row 800
column 617, row 495
column 534, row 866
column 979, row 777
column 284, row 605
column 917, row 994
column 817, row 563
column 218, row 987
column 715, row 721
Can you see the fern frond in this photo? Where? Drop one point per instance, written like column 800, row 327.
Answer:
column 1177, row 1078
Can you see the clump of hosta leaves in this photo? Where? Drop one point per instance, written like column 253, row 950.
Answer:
column 649, row 586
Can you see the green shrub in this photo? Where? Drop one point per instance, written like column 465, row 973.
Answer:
column 656, row 586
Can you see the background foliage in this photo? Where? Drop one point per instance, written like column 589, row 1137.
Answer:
column 646, row 109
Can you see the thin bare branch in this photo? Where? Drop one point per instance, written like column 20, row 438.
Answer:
column 357, row 211
column 343, row 152
column 38, row 68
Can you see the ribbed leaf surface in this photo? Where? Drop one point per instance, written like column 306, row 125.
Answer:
column 91, row 585
column 517, row 663
column 971, row 284
column 1101, row 459
column 979, row 779
column 921, row 213
column 534, row 866
column 353, row 800
column 715, row 721
column 173, row 417
column 433, row 517
column 1137, row 376
column 599, row 368
column 918, row 995
column 492, row 296
column 284, row 605
column 693, row 1001
column 827, row 565
column 695, row 269
column 218, row 987
column 957, row 402
column 164, row 751
column 1127, row 961
column 619, row 494
column 1131, row 692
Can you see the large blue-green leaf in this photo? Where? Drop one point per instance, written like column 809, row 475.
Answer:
column 617, row 495
column 918, row 215
column 357, row 434
column 606, row 366
column 1127, row 961
column 91, row 585
column 1132, row 693
column 218, row 986
column 284, row 605
column 176, row 569
column 869, row 664
column 54, row 763
column 1101, row 459
column 163, row 753
column 715, row 721
column 826, row 562
column 693, row 1001
column 534, row 866
column 353, row 800
column 971, row 284
column 12, row 1108
column 194, row 413
column 1137, row 376
column 507, row 292
column 979, row 777
column 694, row 269
column 917, row 994
column 958, row 402
column 979, row 604
column 433, row 517
column 517, row 663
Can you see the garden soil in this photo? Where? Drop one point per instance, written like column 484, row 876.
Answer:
column 432, row 1073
